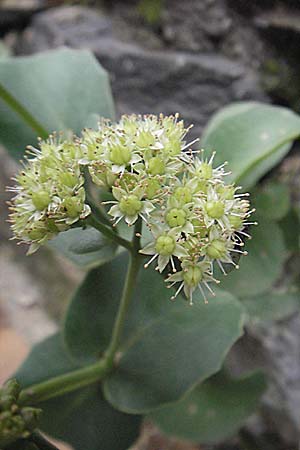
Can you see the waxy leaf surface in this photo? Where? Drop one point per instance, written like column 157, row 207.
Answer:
column 62, row 89
column 82, row 418
column 253, row 137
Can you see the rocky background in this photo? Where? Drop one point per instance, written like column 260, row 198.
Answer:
column 191, row 56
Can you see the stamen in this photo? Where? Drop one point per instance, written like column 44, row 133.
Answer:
column 212, row 157
column 203, row 294
column 190, row 143
column 172, row 264
column 177, row 292
column 209, row 288
column 221, row 267
column 150, row 261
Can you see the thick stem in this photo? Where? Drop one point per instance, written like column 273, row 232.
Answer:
column 93, row 373
column 65, row 383
column 98, row 212
column 130, row 281
column 23, row 112
column 108, row 232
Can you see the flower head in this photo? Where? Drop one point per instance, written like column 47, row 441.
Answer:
column 149, row 172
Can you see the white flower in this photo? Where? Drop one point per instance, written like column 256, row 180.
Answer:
column 129, row 205
column 164, row 247
column 191, row 276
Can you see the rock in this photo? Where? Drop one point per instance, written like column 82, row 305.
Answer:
column 199, row 31
column 280, row 346
column 16, row 15
column 144, row 80
column 70, row 26
column 275, row 348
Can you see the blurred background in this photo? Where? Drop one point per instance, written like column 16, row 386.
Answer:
column 191, row 57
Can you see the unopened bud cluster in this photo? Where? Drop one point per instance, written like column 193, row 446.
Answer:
column 16, row 422
column 195, row 218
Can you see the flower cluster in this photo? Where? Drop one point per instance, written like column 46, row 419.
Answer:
column 16, row 422
column 194, row 217
column 50, row 194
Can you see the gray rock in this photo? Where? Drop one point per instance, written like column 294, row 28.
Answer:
column 70, row 26
column 274, row 348
column 196, row 26
column 144, row 80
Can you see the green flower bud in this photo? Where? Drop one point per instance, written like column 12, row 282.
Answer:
column 205, row 171
column 145, row 139
column 41, row 200
column 235, row 221
column 68, row 179
column 227, row 192
column 192, row 276
column 120, row 155
column 173, row 147
column 37, row 232
column 216, row 249
column 165, row 245
column 215, row 210
column 130, row 205
column 183, row 195
column 15, row 422
column 199, row 228
column 153, row 186
column 176, row 217
column 156, row 166
column 31, row 417
column 73, row 206
column 202, row 186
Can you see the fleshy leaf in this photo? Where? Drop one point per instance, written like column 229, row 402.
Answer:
column 272, row 201
column 271, row 306
column 253, row 137
column 168, row 357
column 214, row 410
column 290, row 226
column 65, row 101
column 82, row 418
column 85, row 247
column 166, row 344
column 262, row 266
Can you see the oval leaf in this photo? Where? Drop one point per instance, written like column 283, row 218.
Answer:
column 160, row 337
column 168, row 357
column 214, row 410
column 259, row 270
column 252, row 137
column 82, row 418
column 271, row 306
column 85, row 247
column 65, row 101
column 272, row 201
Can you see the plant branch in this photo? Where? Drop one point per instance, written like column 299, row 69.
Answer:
column 22, row 112
column 65, row 383
column 93, row 373
column 128, row 289
column 108, row 232
column 99, row 213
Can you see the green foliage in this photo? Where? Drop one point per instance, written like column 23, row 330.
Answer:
column 271, row 306
column 167, row 346
column 290, row 225
column 214, row 410
column 60, row 89
column 252, row 137
column 263, row 264
column 82, row 418
column 272, row 201
column 168, row 350
column 85, row 247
